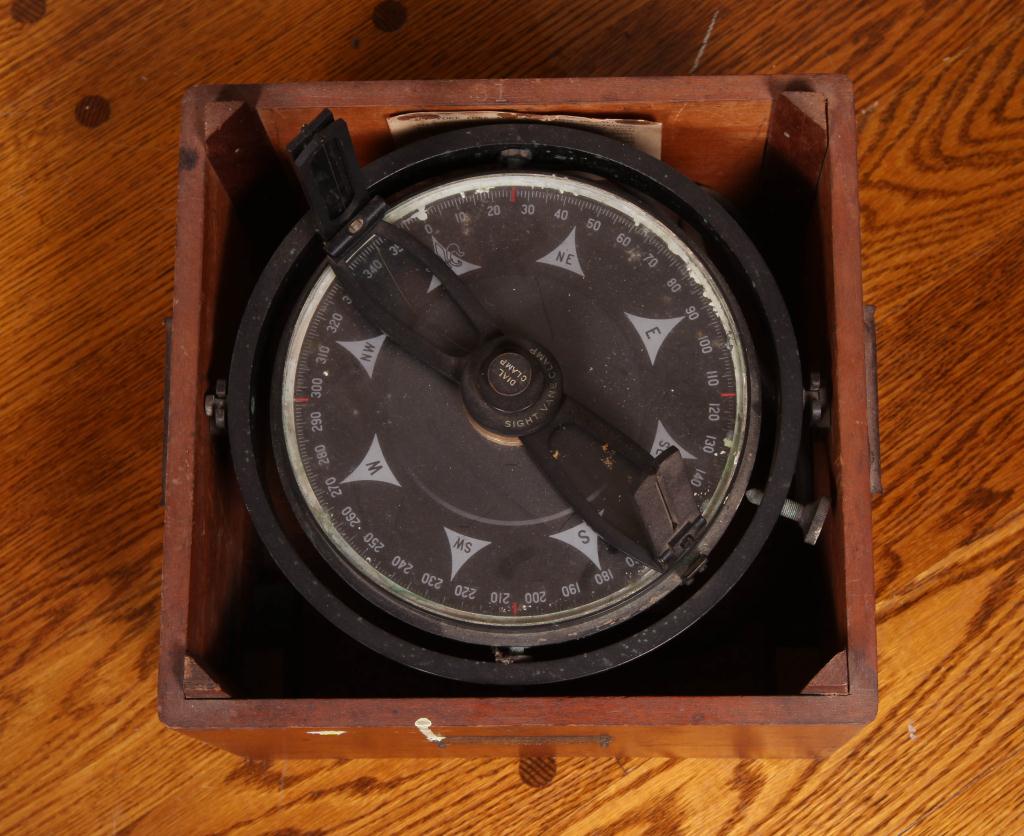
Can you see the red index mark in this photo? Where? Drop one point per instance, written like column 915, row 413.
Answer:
column 727, row 394
column 515, row 608
column 512, row 196
column 301, row 400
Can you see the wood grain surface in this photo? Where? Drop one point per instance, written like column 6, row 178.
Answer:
column 88, row 159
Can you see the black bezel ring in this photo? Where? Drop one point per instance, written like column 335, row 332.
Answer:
column 553, row 147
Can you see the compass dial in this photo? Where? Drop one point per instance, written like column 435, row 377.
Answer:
column 450, row 523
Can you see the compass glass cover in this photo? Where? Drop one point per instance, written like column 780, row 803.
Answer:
column 423, row 505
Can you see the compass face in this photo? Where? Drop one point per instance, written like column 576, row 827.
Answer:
column 418, row 505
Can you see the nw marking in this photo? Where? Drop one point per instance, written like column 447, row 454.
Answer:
column 373, row 467
column 564, row 255
column 662, row 441
column 365, row 351
column 463, row 548
column 582, row 538
column 453, row 256
column 653, row 331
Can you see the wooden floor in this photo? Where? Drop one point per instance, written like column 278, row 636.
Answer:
column 89, row 96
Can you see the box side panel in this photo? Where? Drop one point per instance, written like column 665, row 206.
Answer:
column 851, row 525
column 729, row 741
column 182, row 399
column 712, row 132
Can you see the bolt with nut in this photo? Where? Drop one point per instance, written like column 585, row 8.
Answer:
column 810, row 517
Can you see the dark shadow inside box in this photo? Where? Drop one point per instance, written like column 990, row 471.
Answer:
column 770, row 636
column 777, row 629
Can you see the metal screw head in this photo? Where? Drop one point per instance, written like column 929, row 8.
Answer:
column 215, row 406
column 816, row 398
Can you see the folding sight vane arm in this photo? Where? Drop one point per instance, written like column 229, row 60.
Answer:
column 347, row 217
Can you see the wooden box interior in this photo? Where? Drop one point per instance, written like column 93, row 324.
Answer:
column 235, row 631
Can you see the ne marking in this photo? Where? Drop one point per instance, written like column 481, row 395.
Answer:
column 653, row 332
column 373, row 468
column 564, row 255
column 462, row 548
column 365, row 351
column 582, row 538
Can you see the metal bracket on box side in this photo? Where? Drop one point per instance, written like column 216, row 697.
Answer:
column 871, row 366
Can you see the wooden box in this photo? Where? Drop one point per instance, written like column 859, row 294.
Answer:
column 784, row 668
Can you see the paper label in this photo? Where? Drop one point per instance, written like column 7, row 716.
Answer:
column 642, row 134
